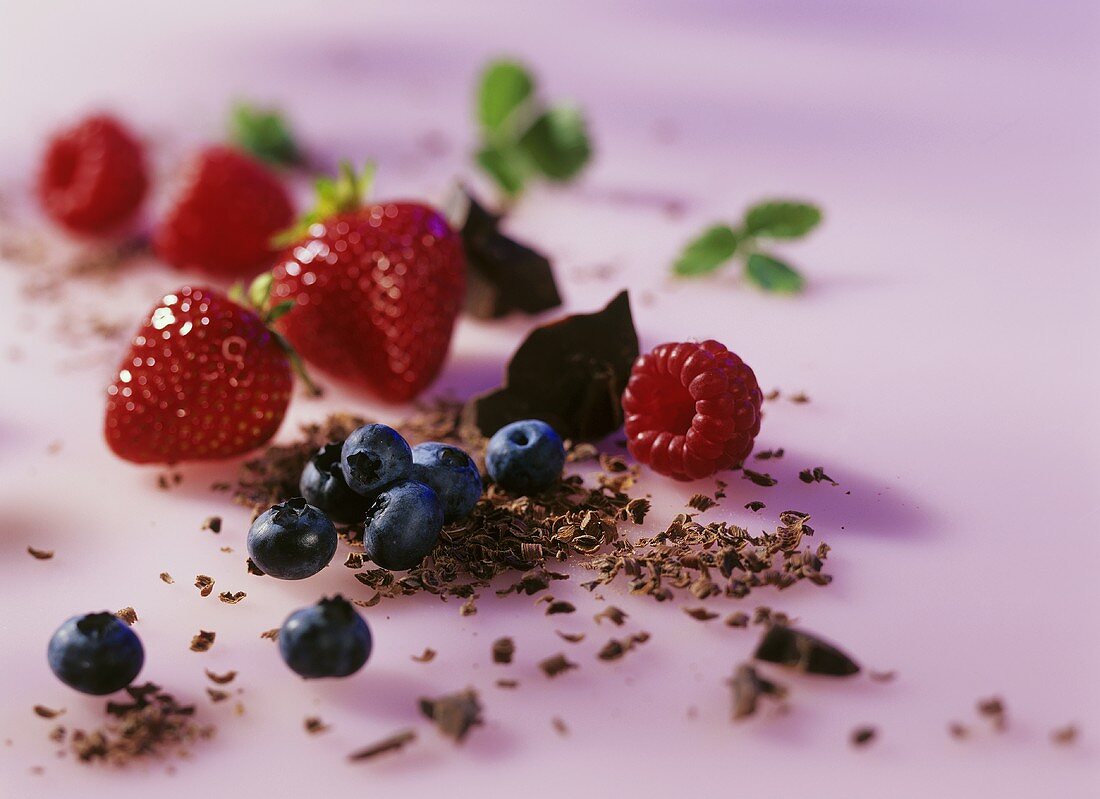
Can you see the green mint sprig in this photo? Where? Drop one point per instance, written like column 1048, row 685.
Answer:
column 780, row 220
column 522, row 138
column 264, row 133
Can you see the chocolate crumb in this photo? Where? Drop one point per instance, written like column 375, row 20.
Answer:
column 816, row 475
column 217, row 695
column 46, row 712
column 636, row 510
column 504, row 683
column 882, row 676
column 128, row 615
column 612, row 614
column 958, row 731
column 560, row 727
column 862, row 736
column 166, row 577
column 700, row 614
column 616, row 648
column 994, row 710
column 426, row 657
column 314, row 725
column 503, row 650
column 221, row 679
column 202, row 641
column 393, row 743
column 755, row 505
column 469, row 607
column 800, row 398
column 231, row 598
column 573, row 638
column 252, row 568
column 748, row 687
column 560, row 606
column 769, row 454
column 213, row 524
column 40, row 554
column 454, row 714
column 701, row 502
column 738, row 619
column 204, row 583
column 758, row 478
column 354, row 560
column 272, row 634
column 1064, row 736
column 555, row 665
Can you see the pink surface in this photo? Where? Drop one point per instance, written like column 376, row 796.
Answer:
column 947, row 341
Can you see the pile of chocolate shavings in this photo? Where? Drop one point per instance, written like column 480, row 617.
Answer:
column 575, row 521
column 153, row 725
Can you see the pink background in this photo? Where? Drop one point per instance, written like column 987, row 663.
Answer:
column 948, row 342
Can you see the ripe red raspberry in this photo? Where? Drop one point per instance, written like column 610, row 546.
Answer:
column 92, row 177
column 223, row 220
column 691, row 409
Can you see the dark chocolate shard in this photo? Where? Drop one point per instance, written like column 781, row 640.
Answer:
column 503, row 275
column 805, row 652
column 454, row 714
column 570, row 373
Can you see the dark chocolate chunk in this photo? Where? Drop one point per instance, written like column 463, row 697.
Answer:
column 503, row 275
column 748, row 687
column 570, row 373
column 805, row 652
column 454, row 714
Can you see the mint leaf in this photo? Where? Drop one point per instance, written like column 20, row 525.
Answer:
column 781, row 220
column 558, row 143
column 771, row 274
column 709, row 251
column 505, row 86
column 506, row 165
column 264, row 133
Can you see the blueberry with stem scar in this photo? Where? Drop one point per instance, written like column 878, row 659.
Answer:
column 323, row 485
column 525, row 457
column 373, row 457
column 402, row 526
column 96, row 653
column 292, row 541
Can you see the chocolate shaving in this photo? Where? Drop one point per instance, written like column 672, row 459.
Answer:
column 636, row 510
column 217, row 695
column 40, row 554
column 128, row 615
column 46, row 712
column 252, row 568
column 213, row 524
column 202, row 641
column 570, row 373
column 272, row 634
column 573, row 638
column 769, row 454
column 393, row 743
column 560, row 606
column 454, row 714
column 748, row 687
column 503, row 650
column 804, row 652
column 426, row 657
column 560, row 727
column 755, row 505
column 737, row 619
column 616, row 648
column 759, row 478
column 612, row 614
column 1064, row 736
column 799, row 399
column 555, row 665
column 231, row 598
column 700, row 614
column 815, row 475
column 314, row 725
column 503, row 275
column 701, row 502
column 204, row 583
column 882, row 676
column 994, row 710
column 504, row 683
column 221, row 679
column 862, row 736
column 166, row 577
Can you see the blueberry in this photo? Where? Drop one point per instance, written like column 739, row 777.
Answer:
column 328, row 639
column 323, row 486
column 525, row 457
column 292, row 540
column 452, row 474
column 375, row 456
column 403, row 525
column 96, row 653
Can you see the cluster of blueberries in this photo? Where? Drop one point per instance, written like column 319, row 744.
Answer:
column 403, row 495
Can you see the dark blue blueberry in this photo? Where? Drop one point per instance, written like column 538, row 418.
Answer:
column 452, row 474
column 328, row 639
column 323, row 486
column 96, row 653
column 525, row 457
column 292, row 540
column 402, row 525
column 375, row 456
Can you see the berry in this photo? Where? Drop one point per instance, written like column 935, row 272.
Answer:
column 525, row 457
column 451, row 474
column 96, row 653
column 376, row 291
column 402, row 526
column 224, row 219
column 92, row 177
column 323, row 486
column 203, row 379
column 328, row 639
column 691, row 409
column 292, row 540
column 373, row 457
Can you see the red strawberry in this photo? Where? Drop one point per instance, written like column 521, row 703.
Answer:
column 223, row 220
column 92, row 177
column 204, row 379
column 376, row 290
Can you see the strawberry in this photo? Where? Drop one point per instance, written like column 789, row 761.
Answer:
column 204, row 379
column 376, row 288
column 223, row 220
column 92, row 178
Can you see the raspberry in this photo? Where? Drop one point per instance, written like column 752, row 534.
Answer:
column 92, row 177
column 691, row 409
